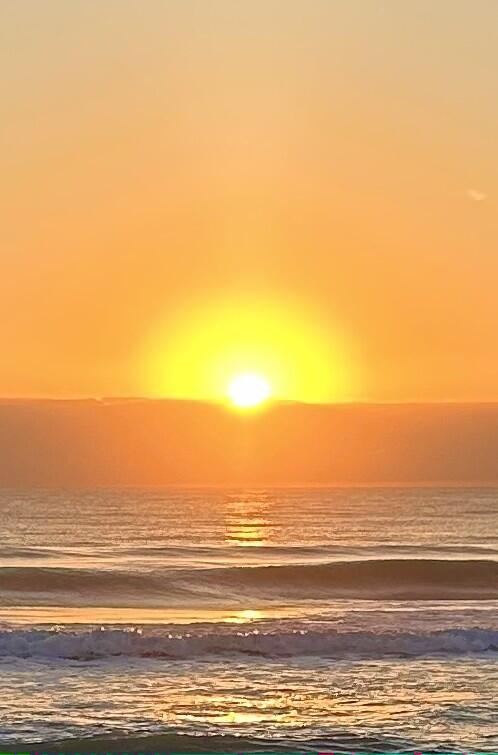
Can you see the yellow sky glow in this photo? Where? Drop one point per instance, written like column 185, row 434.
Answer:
column 196, row 190
column 202, row 353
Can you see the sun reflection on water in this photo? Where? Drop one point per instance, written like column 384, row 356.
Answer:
column 247, row 520
column 242, row 617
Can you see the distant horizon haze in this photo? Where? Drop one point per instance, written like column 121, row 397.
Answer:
column 180, row 442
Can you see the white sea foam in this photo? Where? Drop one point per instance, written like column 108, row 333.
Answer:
column 103, row 643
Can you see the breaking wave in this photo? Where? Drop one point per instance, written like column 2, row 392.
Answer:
column 340, row 740
column 276, row 643
column 385, row 578
column 396, row 579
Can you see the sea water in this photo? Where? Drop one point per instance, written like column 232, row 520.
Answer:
column 210, row 619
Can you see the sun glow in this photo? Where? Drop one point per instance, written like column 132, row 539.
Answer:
column 245, row 349
column 247, row 391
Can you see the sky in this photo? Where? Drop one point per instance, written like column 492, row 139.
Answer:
column 143, row 442
column 302, row 188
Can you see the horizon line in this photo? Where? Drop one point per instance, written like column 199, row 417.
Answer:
column 106, row 400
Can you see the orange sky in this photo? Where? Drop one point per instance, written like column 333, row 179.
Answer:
column 331, row 163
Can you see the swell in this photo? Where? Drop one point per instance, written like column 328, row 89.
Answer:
column 46, row 580
column 400, row 578
column 410, row 579
column 271, row 553
column 170, row 741
column 315, row 552
column 279, row 642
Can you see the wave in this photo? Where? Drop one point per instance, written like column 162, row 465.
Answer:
column 410, row 579
column 170, row 741
column 393, row 579
column 60, row 579
column 267, row 554
column 24, row 552
column 277, row 643
column 314, row 552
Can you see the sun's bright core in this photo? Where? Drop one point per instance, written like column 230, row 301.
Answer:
column 243, row 350
column 248, row 390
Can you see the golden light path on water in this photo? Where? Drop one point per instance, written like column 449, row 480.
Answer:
column 60, row 615
column 248, row 522
column 289, row 349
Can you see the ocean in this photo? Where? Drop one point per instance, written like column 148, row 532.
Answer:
column 270, row 619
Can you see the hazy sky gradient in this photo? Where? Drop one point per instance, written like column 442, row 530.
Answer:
column 54, row 443
column 340, row 155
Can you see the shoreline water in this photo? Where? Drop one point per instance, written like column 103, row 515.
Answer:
column 214, row 621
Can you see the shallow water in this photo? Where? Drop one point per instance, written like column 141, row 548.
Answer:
column 346, row 619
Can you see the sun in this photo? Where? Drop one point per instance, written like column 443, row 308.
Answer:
column 248, row 390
